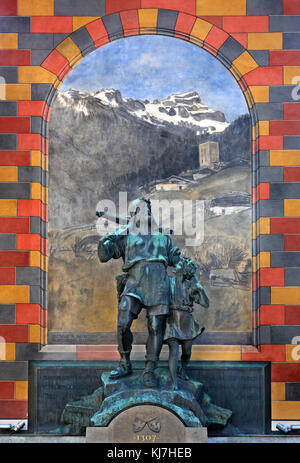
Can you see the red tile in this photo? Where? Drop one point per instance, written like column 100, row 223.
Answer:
column 186, row 6
column 271, row 314
column 275, row 353
column 284, row 57
column 216, row 37
column 55, row 24
column 255, row 281
column 271, row 276
column 216, row 20
column 246, row 23
column 291, row 7
column 284, row 225
column 267, row 142
column 7, row 276
column 285, row 127
column 57, row 64
column 13, row 409
column 265, row 75
column 31, row 108
column 44, row 318
column 91, row 348
column 241, row 37
column 14, row 225
column 292, row 314
column 98, row 32
column 114, row 6
column 262, row 191
column 285, row 372
column 130, row 22
column 291, row 111
column 28, row 313
column 14, row 124
column 29, row 208
column 14, row 57
column 15, row 158
column 184, row 23
column 291, row 174
column 9, row 8
column 7, row 390
column 292, row 242
column 14, row 333
column 29, row 242
column 30, row 141
column 14, row 259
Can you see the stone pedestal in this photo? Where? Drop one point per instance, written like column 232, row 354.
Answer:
column 184, row 411
column 142, row 424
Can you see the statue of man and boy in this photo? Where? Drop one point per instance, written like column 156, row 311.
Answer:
column 168, row 300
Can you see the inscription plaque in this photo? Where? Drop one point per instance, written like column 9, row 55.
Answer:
column 146, row 424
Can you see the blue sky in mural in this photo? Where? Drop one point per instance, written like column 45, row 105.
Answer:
column 150, row 67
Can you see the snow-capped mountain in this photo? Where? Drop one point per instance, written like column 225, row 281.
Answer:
column 184, row 109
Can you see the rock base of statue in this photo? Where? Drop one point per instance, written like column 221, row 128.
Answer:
column 189, row 403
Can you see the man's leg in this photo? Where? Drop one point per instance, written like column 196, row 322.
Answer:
column 127, row 312
column 156, row 327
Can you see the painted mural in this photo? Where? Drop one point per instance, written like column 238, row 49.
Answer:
column 160, row 118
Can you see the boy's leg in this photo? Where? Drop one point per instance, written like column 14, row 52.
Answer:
column 173, row 360
column 185, row 357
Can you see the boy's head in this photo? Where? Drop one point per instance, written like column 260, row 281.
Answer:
column 186, row 267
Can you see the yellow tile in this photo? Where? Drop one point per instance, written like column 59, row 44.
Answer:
column 214, row 355
column 34, row 333
column 45, row 263
column 70, row 51
column 265, row 41
column 278, row 391
column 36, row 158
column 35, row 259
column 45, row 162
column 264, row 127
column 263, row 225
column 21, row 390
column 245, row 63
column 8, row 174
column 45, row 195
column 35, row 75
column 220, row 7
column 147, row 19
column 17, row 92
column 291, row 75
column 35, row 7
column 263, row 260
column 8, row 207
column 200, row 30
column 255, row 131
column 285, row 295
column 260, row 93
column 292, row 352
column 285, row 410
column 10, row 351
column 80, row 21
column 284, row 157
column 8, row 41
column 248, row 96
column 292, row 207
column 14, row 294
column 36, row 191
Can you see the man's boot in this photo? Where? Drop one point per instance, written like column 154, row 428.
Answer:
column 149, row 378
column 124, row 368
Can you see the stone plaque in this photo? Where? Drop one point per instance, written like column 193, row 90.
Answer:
column 146, row 424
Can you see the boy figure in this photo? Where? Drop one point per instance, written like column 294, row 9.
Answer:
column 146, row 255
column 181, row 327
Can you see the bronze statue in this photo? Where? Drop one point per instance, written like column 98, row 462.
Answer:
column 181, row 327
column 146, row 254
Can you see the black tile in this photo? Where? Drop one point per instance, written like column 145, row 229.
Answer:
column 13, row 371
column 264, row 7
column 291, row 41
column 286, row 23
column 8, row 241
column 9, row 74
column 8, row 142
column 269, row 111
column 285, row 259
column 291, row 142
column 113, row 25
column 283, row 334
column 28, row 275
column 284, row 191
column 8, row 108
column 231, row 49
column 39, row 56
column 79, row 7
column 166, row 20
column 270, row 208
column 15, row 191
column 14, row 24
column 83, row 40
column 39, row 41
column 260, row 56
column 7, row 313
column 292, row 278
column 30, row 174
column 292, row 390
